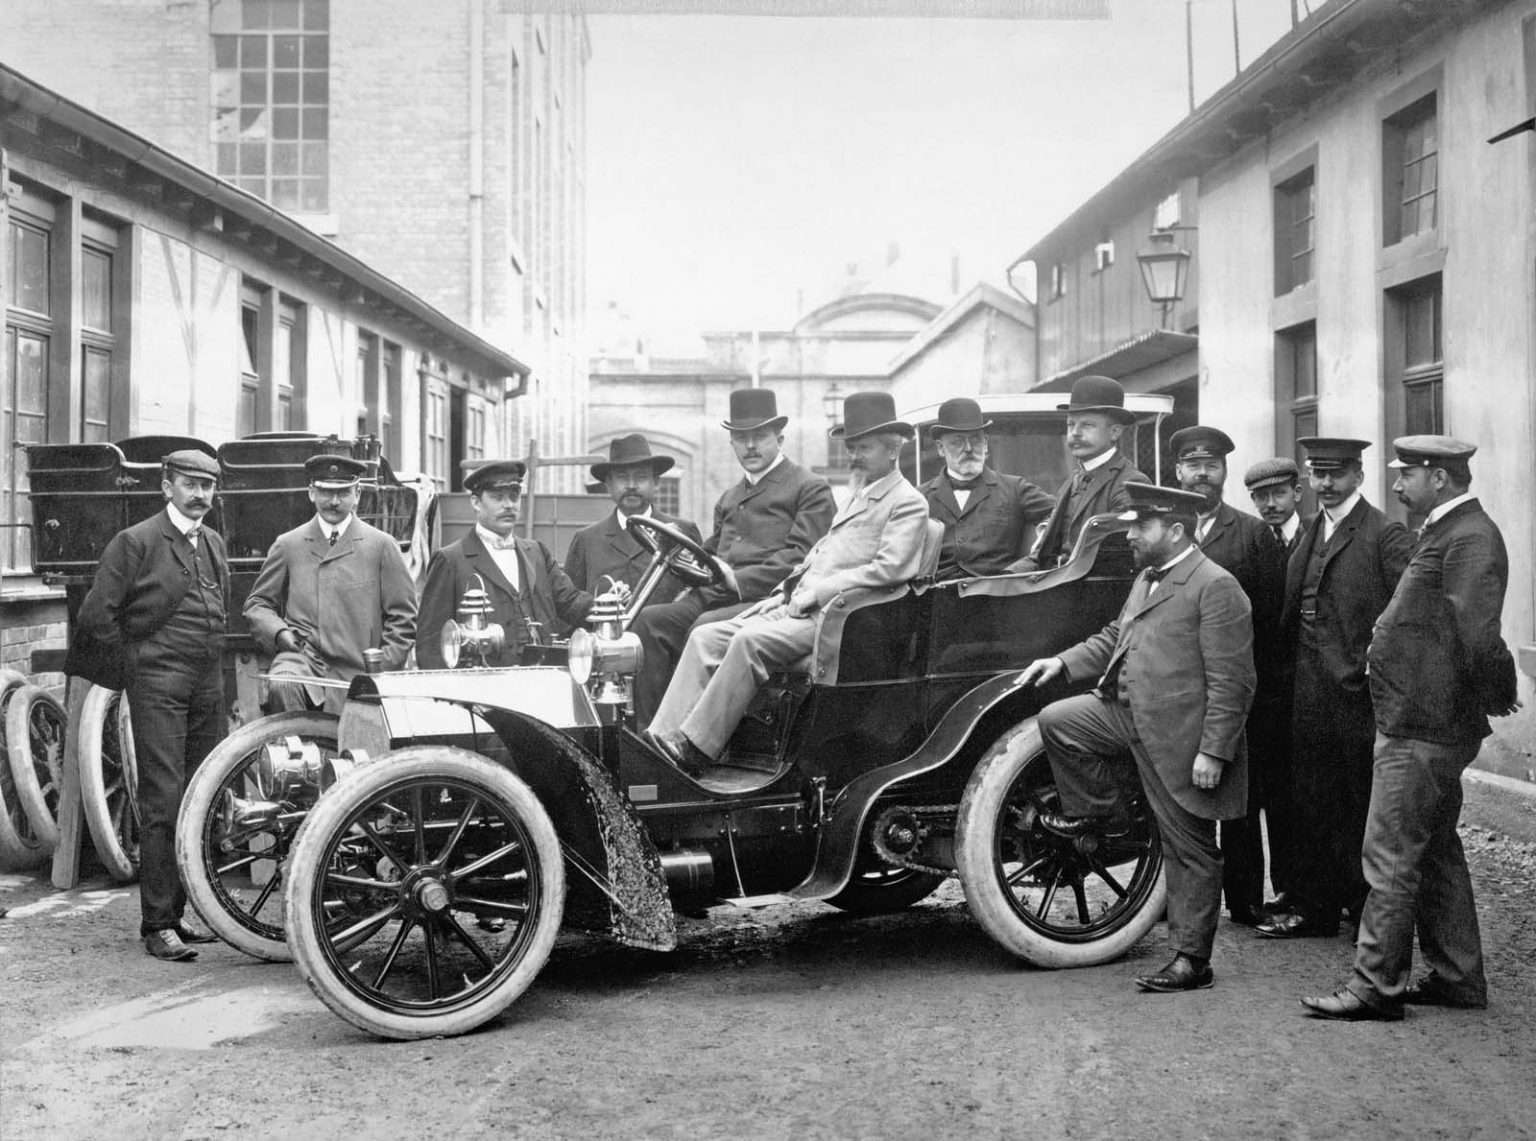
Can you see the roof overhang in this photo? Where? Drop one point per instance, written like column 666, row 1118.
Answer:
column 1142, row 351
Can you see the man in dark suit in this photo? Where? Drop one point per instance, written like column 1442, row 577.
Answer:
column 1175, row 679
column 153, row 626
column 1096, row 418
column 1337, row 583
column 607, row 547
column 1274, row 485
column 1248, row 550
column 763, row 527
column 530, row 596
column 1439, row 670
column 989, row 518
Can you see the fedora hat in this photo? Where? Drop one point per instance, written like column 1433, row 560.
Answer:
column 865, row 413
column 753, row 408
column 633, row 450
column 1098, row 394
column 960, row 414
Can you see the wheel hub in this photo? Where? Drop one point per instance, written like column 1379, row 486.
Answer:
column 426, row 892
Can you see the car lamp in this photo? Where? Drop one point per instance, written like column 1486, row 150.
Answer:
column 605, row 657
column 473, row 638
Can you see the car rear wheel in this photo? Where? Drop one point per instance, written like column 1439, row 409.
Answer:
column 239, row 819
column 425, row 893
column 882, row 890
column 1049, row 900
column 109, row 781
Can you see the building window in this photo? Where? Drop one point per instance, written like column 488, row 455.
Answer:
column 246, row 415
column 29, row 292
column 288, row 370
column 1058, row 281
column 271, row 99
column 434, row 430
column 97, row 340
column 1415, row 365
column 669, row 495
column 1295, row 388
column 1103, row 255
column 1295, row 231
column 1410, row 171
column 1167, row 214
column 272, row 363
column 389, row 413
column 475, row 430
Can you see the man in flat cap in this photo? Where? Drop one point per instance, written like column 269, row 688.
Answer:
column 1243, row 546
column 763, row 526
column 1274, row 485
column 1175, row 679
column 1096, row 418
column 1439, row 669
column 875, row 540
column 329, row 590
column 630, row 476
column 531, row 597
column 1337, row 583
column 989, row 518
column 153, row 626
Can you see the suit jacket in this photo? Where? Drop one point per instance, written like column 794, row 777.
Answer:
column 995, row 528
column 605, row 547
column 341, row 600
column 1104, row 491
column 1245, row 547
column 1438, row 662
column 1186, row 670
column 144, row 574
column 1295, row 541
column 547, row 596
column 875, row 540
column 1360, row 572
column 763, row 530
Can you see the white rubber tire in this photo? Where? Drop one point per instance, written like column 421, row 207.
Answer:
column 20, row 849
column 307, row 870
column 35, row 725
column 990, row 900
column 261, row 940
column 109, row 788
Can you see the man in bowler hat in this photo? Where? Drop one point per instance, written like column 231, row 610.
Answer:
column 1096, row 419
column 1175, row 679
column 630, row 475
column 763, row 526
column 989, row 518
column 153, row 626
column 531, row 597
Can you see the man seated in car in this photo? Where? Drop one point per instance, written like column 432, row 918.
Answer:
column 875, row 540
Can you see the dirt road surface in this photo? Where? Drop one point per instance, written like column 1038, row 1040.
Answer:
column 793, row 1022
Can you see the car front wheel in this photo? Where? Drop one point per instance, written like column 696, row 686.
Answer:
column 1052, row 901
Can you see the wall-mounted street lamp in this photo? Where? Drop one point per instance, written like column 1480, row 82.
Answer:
column 1164, row 270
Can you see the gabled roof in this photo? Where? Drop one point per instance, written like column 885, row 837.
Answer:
column 981, row 294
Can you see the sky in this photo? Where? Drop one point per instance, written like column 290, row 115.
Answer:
column 737, row 164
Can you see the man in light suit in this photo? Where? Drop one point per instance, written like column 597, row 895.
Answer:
column 1175, row 680
column 329, row 590
column 530, row 596
column 763, row 526
column 1096, row 419
column 989, row 518
column 607, row 547
column 876, row 540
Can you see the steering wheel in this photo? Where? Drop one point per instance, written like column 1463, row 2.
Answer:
column 702, row 569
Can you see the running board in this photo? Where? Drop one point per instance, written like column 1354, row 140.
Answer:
column 757, row 902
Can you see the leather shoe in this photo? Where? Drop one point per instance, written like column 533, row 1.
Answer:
column 1295, row 925
column 1432, row 990
column 1181, row 973
column 1249, row 916
column 1074, row 826
column 168, row 946
column 192, row 933
column 681, row 752
column 1346, row 1006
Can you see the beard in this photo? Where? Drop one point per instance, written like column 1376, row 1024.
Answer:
column 967, row 466
column 857, row 478
column 1210, row 492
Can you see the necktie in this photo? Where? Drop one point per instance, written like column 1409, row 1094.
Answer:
column 1420, row 529
column 963, row 484
column 333, row 536
column 193, row 534
column 1279, row 531
column 504, row 543
column 1079, row 480
column 1156, row 574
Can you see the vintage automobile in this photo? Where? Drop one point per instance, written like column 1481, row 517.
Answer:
column 418, row 856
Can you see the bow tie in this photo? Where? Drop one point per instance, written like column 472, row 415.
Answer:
column 504, row 543
column 963, row 484
column 193, row 534
column 1156, row 574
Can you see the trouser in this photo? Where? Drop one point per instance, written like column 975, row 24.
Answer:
column 1096, row 756
column 1269, row 798
column 296, row 697
column 1418, row 876
column 663, row 632
column 722, row 666
column 176, row 699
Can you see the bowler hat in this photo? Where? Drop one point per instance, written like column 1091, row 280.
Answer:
column 1198, row 442
column 1148, row 499
column 633, row 450
column 960, row 414
column 192, row 461
column 496, row 475
column 1267, row 473
column 334, row 471
column 1329, row 453
column 865, row 413
column 1431, row 451
column 1098, row 394
column 753, row 408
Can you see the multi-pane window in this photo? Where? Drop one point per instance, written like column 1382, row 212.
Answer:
column 1423, row 372
column 475, row 431
column 1295, row 231
column 271, row 99
column 285, row 374
column 272, row 362
column 1295, row 387
column 1410, row 171
column 389, row 410
column 28, row 338
column 247, row 412
column 434, row 428
column 96, row 337
column 669, row 495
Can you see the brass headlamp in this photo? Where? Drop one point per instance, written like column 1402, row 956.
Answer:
column 473, row 638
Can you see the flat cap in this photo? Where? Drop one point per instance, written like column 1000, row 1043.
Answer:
column 1267, row 473
column 1199, row 442
column 1329, row 453
column 1431, row 451
column 334, row 471
column 1149, row 500
column 191, row 461
column 496, row 475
